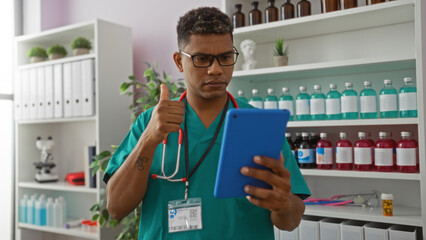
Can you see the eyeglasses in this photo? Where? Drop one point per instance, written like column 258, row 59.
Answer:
column 206, row 60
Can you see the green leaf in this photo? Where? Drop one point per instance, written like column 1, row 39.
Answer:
column 124, row 86
column 120, row 236
column 95, row 207
column 101, row 221
column 151, row 85
column 104, row 165
column 95, row 170
column 95, row 217
column 93, row 164
column 105, row 214
column 132, row 77
column 174, row 88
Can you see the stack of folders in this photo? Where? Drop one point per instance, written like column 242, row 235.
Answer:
column 55, row 91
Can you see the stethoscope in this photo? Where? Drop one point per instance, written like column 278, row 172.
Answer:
column 180, row 140
column 358, row 199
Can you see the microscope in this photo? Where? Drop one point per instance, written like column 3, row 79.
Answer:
column 45, row 164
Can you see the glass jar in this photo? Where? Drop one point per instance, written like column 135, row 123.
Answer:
column 238, row 17
column 303, row 8
column 287, row 10
column 271, row 12
column 255, row 15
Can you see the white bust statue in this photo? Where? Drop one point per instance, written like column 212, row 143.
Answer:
column 247, row 48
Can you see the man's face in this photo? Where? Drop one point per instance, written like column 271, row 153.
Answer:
column 209, row 82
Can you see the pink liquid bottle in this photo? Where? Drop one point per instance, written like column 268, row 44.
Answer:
column 344, row 157
column 394, row 147
column 383, row 153
column 363, row 153
column 406, row 154
column 370, row 139
column 324, row 153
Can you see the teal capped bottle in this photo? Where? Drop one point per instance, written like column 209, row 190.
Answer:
column 302, row 105
column 368, row 102
column 317, row 104
column 388, row 101
column 349, row 100
column 408, row 99
column 241, row 96
column 256, row 101
column 332, row 104
column 286, row 102
column 271, row 101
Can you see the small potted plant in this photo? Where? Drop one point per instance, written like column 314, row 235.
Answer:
column 81, row 46
column 280, row 53
column 37, row 54
column 56, row 51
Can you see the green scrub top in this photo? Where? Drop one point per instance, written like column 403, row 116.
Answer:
column 232, row 218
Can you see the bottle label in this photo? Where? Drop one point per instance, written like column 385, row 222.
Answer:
column 270, row 105
column 407, row 101
column 317, row 106
column 344, row 155
column 388, row 102
column 363, row 155
column 286, row 105
column 256, row 104
column 324, row 155
column 302, row 107
column 332, row 106
column 349, row 104
column 306, row 155
column 368, row 104
column 383, row 156
column 406, row 156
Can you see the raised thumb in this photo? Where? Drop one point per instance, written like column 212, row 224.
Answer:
column 164, row 94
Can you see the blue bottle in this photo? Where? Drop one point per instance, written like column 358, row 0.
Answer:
column 332, row 104
column 31, row 209
column 256, row 101
column 271, row 101
column 23, row 209
column 408, row 99
column 40, row 211
column 368, row 102
column 241, row 96
column 349, row 101
column 286, row 102
column 302, row 105
column 388, row 101
column 317, row 104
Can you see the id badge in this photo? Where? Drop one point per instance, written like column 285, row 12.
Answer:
column 185, row 215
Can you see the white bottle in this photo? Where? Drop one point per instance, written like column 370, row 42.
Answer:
column 256, row 101
column 23, row 209
column 49, row 212
column 31, row 209
column 64, row 209
column 271, row 101
column 58, row 218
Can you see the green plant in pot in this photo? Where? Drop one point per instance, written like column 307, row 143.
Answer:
column 142, row 101
column 37, row 54
column 56, row 51
column 81, row 46
column 280, row 53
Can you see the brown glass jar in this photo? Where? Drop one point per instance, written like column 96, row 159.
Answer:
column 287, row 10
column 375, row 1
column 346, row 4
column 303, row 8
column 329, row 5
column 238, row 17
column 255, row 15
column 271, row 12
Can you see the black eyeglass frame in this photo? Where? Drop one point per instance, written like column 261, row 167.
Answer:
column 213, row 57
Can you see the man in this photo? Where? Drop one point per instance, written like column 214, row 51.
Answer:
column 206, row 57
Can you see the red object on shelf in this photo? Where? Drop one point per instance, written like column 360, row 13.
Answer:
column 383, row 153
column 344, row 153
column 76, row 178
column 406, row 150
column 363, row 153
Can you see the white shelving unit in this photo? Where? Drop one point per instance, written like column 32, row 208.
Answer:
column 377, row 42
column 113, row 63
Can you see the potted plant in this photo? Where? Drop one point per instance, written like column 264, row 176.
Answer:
column 81, row 46
column 280, row 53
column 56, row 51
column 37, row 54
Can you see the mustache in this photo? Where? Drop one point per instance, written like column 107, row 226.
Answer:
column 215, row 80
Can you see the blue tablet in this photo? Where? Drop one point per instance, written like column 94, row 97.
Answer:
column 248, row 133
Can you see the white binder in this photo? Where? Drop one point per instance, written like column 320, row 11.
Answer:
column 77, row 88
column 48, row 100
column 25, row 77
column 33, row 93
column 67, row 76
column 41, row 106
column 58, row 91
column 17, row 95
column 88, row 77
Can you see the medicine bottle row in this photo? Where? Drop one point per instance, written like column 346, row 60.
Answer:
column 335, row 105
column 384, row 155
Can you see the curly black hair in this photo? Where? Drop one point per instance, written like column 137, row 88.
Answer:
column 203, row 20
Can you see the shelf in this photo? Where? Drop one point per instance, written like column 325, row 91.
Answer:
column 56, row 120
column 377, row 15
column 333, row 68
column 361, row 174
column 355, row 122
column 402, row 215
column 58, row 186
column 76, row 232
column 56, row 61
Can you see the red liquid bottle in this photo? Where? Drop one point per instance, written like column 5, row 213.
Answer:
column 363, row 153
column 344, row 158
column 324, row 156
column 394, row 147
column 406, row 154
column 383, row 153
